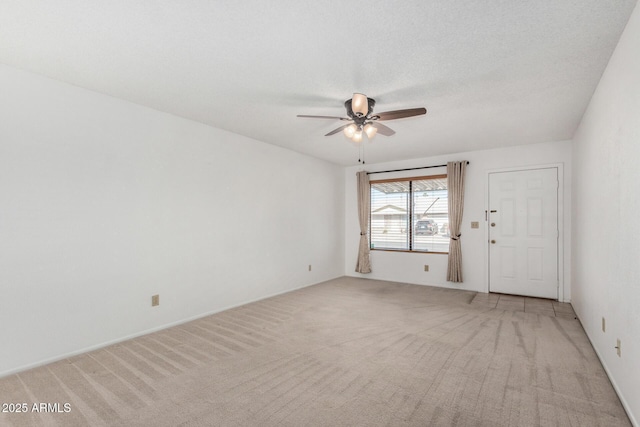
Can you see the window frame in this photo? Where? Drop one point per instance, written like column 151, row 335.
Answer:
column 410, row 214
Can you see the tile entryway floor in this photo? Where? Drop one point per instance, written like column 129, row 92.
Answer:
column 525, row 304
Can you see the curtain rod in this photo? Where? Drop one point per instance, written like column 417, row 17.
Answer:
column 409, row 169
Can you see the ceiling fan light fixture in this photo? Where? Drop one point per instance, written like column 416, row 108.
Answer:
column 362, row 119
column 359, row 104
column 350, row 130
column 370, row 130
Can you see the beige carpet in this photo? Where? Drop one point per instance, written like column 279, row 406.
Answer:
column 348, row 352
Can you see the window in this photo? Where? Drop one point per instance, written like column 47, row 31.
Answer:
column 410, row 214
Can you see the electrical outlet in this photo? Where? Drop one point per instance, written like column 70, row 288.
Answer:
column 618, row 347
column 155, row 300
column 309, row 267
column 426, row 267
column 603, row 325
column 475, row 224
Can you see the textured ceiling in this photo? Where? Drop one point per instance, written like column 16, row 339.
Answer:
column 490, row 73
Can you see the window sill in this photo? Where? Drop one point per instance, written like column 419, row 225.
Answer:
column 407, row 251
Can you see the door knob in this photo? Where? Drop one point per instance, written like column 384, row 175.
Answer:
column 493, row 224
column 493, row 241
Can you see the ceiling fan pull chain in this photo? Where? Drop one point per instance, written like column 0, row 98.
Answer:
column 362, row 144
column 361, row 153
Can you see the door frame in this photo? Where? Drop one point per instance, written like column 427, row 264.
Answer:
column 561, row 211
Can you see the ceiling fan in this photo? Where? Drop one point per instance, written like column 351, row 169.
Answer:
column 362, row 119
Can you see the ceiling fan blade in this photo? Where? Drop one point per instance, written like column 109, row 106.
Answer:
column 382, row 129
column 340, row 129
column 400, row 114
column 322, row 117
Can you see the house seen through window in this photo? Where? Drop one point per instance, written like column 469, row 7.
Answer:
column 410, row 214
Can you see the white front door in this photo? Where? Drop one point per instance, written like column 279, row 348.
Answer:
column 523, row 232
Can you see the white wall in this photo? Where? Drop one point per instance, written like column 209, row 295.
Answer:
column 606, row 229
column 409, row 267
column 104, row 203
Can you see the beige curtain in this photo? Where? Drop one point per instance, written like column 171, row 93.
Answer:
column 364, row 208
column 455, row 185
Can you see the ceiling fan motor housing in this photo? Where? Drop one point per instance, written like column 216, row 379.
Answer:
column 359, row 119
